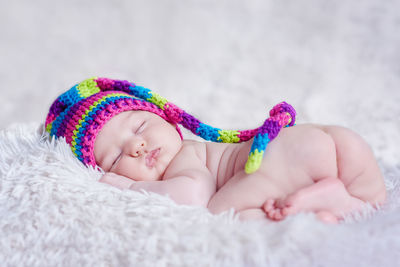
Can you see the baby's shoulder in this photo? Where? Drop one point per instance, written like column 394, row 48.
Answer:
column 189, row 161
column 192, row 148
column 206, row 151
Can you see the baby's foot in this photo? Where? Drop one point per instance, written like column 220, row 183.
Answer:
column 328, row 195
column 278, row 209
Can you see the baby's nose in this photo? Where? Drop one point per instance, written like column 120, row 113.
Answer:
column 137, row 147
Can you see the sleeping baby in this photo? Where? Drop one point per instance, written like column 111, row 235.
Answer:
column 270, row 172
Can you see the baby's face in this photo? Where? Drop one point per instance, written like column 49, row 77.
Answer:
column 137, row 144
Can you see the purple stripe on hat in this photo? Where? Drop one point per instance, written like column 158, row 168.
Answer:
column 271, row 128
column 122, row 86
column 190, row 122
column 72, row 112
column 56, row 108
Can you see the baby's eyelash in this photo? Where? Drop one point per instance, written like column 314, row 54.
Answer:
column 140, row 128
column 116, row 160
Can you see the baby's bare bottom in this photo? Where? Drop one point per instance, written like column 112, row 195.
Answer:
column 356, row 181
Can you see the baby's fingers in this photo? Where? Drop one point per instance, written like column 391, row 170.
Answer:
column 116, row 180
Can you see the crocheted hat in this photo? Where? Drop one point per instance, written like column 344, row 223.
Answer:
column 80, row 113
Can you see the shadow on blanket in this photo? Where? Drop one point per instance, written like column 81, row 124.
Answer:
column 54, row 212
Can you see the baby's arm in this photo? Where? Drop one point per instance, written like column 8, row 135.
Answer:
column 190, row 188
column 116, row 180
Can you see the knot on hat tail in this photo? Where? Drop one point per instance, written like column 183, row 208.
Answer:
column 284, row 114
column 281, row 115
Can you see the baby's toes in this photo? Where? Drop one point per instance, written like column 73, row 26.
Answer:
column 275, row 215
column 269, row 205
column 269, row 209
column 271, row 214
column 273, row 209
column 291, row 205
column 278, row 215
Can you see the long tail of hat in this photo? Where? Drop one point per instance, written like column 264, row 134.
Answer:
column 282, row 115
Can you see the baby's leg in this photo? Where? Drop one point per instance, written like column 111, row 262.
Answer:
column 328, row 198
column 246, row 194
column 358, row 180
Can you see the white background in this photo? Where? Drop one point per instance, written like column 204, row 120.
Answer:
column 227, row 62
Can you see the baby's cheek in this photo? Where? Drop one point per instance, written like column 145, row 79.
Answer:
column 126, row 168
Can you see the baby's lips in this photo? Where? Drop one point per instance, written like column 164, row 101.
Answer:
column 151, row 157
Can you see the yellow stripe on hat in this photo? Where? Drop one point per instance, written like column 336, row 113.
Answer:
column 228, row 136
column 254, row 161
column 93, row 106
column 157, row 100
column 88, row 87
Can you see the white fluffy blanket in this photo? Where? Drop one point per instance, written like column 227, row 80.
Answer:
column 226, row 61
column 54, row 212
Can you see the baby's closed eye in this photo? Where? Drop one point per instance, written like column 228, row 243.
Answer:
column 117, row 158
column 140, row 128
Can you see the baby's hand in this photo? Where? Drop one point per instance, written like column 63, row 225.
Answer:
column 116, row 180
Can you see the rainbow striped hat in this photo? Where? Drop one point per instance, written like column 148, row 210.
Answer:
column 79, row 114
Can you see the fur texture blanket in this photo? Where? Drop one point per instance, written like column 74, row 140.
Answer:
column 54, row 212
column 227, row 62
